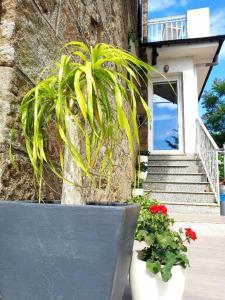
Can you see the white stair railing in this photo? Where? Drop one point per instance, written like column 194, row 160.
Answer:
column 208, row 152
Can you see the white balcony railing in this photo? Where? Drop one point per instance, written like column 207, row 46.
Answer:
column 208, row 152
column 170, row 28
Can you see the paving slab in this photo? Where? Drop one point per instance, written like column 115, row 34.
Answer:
column 206, row 276
column 202, row 224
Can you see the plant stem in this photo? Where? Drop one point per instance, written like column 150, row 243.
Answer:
column 71, row 193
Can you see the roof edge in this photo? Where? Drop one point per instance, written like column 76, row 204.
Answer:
column 214, row 38
column 208, row 39
column 211, row 68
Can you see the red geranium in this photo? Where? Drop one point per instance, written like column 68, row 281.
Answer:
column 156, row 209
column 190, row 234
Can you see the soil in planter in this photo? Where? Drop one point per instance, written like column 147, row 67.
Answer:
column 91, row 203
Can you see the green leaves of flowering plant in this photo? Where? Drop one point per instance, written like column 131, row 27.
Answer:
column 143, row 167
column 98, row 89
column 165, row 247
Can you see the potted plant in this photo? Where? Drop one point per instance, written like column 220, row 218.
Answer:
column 158, row 270
column 144, row 155
column 137, row 188
column 142, row 171
column 52, row 251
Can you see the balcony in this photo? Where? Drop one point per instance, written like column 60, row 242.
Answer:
column 194, row 24
column 170, row 28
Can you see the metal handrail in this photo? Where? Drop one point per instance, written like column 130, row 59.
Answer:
column 168, row 28
column 208, row 152
column 166, row 19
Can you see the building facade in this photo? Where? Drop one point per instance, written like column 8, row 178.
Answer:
column 184, row 156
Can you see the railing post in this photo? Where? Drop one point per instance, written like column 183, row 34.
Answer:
column 168, row 28
column 224, row 160
column 217, row 178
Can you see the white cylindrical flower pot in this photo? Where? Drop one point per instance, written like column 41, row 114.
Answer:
column 143, row 175
column 146, row 285
column 143, row 158
column 137, row 192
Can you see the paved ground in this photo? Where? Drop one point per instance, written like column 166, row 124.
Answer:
column 206, row 277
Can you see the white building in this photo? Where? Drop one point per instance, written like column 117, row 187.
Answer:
column 183, row 53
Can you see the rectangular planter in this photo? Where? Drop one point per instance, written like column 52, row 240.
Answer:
column 57, row 252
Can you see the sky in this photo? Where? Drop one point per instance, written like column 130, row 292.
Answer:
column 163, row 8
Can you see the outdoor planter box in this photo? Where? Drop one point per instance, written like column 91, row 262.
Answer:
column 57, row 252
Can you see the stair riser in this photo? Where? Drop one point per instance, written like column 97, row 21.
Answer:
column 189, row 198
column 175, row 178
column 179, row 187
column 172, row 157
column 176, row 170
column 174, row 163
column 192, row 209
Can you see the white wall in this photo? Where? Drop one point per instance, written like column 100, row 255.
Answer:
column 198, row 23
column 185, row 67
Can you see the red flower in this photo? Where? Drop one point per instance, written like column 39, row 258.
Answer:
column 156, row 209
column 190, row 234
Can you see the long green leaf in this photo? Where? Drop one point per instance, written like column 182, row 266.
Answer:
column 97, row 89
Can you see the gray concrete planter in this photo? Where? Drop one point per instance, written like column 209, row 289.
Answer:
column 56, row 252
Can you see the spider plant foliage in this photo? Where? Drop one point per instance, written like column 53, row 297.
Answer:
column 97, row 89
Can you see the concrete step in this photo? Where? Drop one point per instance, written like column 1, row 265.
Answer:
column 174, row 157
column 199, row 187
column 195, row 177
column 193, row 208
column 202, row 224
column 174, row 162
column 185, row 197
column 175, row 169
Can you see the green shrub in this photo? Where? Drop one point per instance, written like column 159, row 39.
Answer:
column 137, row 185
column 143, row 167
column 145, row 152
column 221, row 166
column 95, row 89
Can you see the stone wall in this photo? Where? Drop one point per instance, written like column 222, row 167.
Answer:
column 145, row 21
column 32, row 33
column 143, row 129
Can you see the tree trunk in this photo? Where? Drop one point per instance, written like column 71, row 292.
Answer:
column 71, row 193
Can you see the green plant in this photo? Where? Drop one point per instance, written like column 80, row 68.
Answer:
column 145, row 153
column 213, row 103
column 97, row 90
column 143, row 167
column 137, row 185
column 164, row 247
column 221, row 166
column 132, row 38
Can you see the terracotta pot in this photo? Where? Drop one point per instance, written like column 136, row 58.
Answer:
column 146, row 285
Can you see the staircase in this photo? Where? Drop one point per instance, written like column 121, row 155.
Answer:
column 179, row 181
